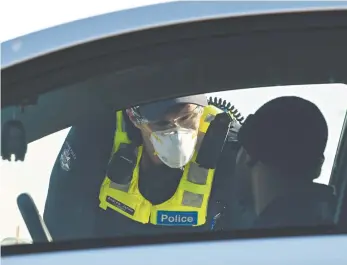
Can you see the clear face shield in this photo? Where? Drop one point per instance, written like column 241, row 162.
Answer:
column 174, row 138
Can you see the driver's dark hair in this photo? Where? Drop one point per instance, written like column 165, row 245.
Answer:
column 289, row 135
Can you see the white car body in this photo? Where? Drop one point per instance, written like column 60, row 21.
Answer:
column 301, row 250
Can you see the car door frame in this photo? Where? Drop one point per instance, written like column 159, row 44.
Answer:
column 15, row 93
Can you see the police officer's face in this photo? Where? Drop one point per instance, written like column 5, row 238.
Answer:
column 182, row 116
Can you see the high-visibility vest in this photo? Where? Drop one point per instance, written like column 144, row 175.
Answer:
column 188, row 206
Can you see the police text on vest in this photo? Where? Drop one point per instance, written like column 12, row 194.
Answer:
column 177, row 218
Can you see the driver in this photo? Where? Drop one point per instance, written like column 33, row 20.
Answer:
column 282, row 153
column 152, row 184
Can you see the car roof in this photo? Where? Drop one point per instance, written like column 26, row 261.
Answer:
column 116, row 23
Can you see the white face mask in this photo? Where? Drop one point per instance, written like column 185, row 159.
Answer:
column 174, row 147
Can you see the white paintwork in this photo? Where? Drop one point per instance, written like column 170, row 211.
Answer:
column 116, row 23
column 317, row 250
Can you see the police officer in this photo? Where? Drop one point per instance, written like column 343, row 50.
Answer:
column 152, row 181
column 282, row 153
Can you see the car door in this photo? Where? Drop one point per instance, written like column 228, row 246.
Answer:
column 54, row 89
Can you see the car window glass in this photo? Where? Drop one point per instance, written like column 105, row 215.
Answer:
column 32, row 175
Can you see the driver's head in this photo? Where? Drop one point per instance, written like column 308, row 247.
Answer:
column 169, row 128
column 286, row 137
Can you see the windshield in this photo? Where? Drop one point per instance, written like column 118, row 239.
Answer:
column 38, row 176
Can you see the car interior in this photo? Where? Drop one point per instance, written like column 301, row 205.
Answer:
column 89, row 82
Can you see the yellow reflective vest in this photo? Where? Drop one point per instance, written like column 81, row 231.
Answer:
column 188, row 206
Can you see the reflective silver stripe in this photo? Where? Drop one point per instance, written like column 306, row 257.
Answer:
column 192, row 199
column 197, row 174
column 121, row 146
column 122, row 187
column 209, row 118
